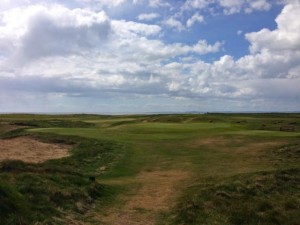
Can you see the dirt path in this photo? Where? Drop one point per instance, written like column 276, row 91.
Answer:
column 156, row 195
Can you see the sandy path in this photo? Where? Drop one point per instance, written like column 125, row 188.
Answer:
column 156, row 195
column 30, row 150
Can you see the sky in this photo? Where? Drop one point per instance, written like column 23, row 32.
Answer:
column 147, row 56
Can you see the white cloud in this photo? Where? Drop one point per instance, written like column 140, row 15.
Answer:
column 159, row 3
column 196, row 4
column 285, row 2
column 82, row 52
column 196, row 18
column 173, row 23
column 202, row 47
column 272, row 66
column 38, row 31
column 148, row 16
column 130, row 28
column 285, row 38
column 229, row 7
column 103, row 3
column 79, row 52
column 260, row 5
column 135, row 2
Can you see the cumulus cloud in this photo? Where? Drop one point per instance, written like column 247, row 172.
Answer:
column 130, row 28
column 276, row 53
column 174, row 23
column 79, row 51
column 229, row 6
column 58, row 51
column 159, row 3
column 196, row 18
column 285, row 37
column 39, row 31
column 273, row 64
column 148, row 16
column 103, row 3
column 261, row 5
column 196, row 4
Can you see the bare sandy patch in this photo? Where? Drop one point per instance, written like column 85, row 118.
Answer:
column 30, row 150
column 156, row 195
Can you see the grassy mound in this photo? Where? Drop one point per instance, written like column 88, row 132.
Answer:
column 262, row 198
column 31, row 193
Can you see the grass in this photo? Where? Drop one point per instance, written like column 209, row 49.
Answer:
column 37, row 192
column 264, row 133
column 52, row 123
column 258, row 198
column 240, row 172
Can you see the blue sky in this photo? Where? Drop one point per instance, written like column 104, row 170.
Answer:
column 139, row 56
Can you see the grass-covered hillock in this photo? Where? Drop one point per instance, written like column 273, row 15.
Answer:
column 31, row 193
column 264, row 198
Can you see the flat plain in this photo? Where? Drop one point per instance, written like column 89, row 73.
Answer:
column 150, row 169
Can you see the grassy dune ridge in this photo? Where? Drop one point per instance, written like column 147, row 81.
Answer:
column 226, row 169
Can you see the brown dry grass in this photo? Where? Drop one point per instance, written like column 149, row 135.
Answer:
column 227, row 156
column 210, row 141
column 155, row 195
column 234, row 145
column 30, row 150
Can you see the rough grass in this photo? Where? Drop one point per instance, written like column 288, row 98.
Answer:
column 260, row 198
column 52, row 123
column 237, row 171
column 264, row 197
column 31, row 193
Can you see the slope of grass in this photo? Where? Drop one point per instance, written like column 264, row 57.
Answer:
column 263, row 198
column 31, row 193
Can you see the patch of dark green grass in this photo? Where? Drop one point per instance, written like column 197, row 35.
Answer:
column 13, row 133
column 53, row 123
column 124, row 122
column 167, row 118
column 13, row 207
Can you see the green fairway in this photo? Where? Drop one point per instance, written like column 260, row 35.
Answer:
column 144, row 131
column 179, row 157
column 264, row 133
